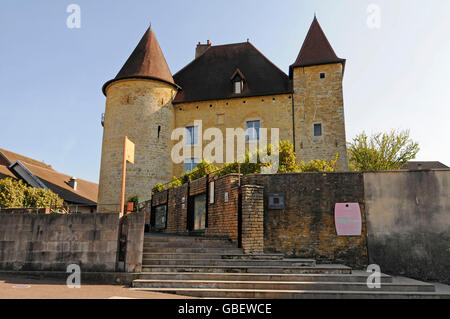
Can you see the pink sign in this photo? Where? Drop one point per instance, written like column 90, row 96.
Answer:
column 347, row 217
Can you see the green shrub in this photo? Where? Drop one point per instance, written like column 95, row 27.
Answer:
column 176, row 182
column 16, row 194
column 319, row 165
column 158, row 187
column 202, row 169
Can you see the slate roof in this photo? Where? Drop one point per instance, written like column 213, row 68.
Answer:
column 208, row 77
column 147, row 61
column 316, row 49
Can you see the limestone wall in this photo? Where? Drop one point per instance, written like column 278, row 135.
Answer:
column 53, row 241
column 305, row 227
column 136, row 108
column 274, row 111
column 320, row 101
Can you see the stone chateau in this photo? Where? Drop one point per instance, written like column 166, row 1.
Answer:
column 225, row 86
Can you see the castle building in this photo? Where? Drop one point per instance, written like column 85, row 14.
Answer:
column 225, row 86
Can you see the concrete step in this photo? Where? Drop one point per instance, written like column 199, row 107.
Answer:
column 279, row 285
column 189, row 244
column 166, row 238
column 354, row 277
column 230, row 262
column 191, row 250
column 296, row 294
column 223, row 255
column 318, row 269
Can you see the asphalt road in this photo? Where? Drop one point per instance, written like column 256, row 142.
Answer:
column 12, row 287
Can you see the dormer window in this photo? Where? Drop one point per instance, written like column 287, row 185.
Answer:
column 238, row 86
column 238, row 80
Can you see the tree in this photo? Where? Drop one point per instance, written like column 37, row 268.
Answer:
column 16, row 194
column 382, row 151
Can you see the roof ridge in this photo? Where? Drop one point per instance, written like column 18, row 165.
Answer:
column 24, row 158
column 55, row 171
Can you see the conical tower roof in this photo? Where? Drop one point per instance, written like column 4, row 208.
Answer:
column 316, row 49
column 146, row 62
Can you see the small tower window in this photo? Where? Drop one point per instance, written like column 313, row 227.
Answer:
column 318, row 129
column 322, row 75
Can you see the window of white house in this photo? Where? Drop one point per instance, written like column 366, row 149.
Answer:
column 253, row 127
column 238, row 86
column 190, row 164
column 322, row 75
column 318, row 129
column 191, row 137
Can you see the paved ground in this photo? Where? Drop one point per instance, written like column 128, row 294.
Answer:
column 13, row 287
column 21, row 287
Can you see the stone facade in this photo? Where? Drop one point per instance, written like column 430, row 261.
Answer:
column 143, row 111
column 305, row 227
column 144, row 103
column 320, row 101
column 273, row 111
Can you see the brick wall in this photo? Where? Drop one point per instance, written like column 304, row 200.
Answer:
column 306, row 228
column 252, row 219
column 52, row 242
column 222, row 216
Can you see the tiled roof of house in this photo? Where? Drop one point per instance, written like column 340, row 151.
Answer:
column 86, row 193
column 12, row 157
column 316, row 49
column 5, row 172
column 208, row 77
column 146, row 61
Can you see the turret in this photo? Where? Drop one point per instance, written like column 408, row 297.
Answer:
column 316, row 76
column 138, row 105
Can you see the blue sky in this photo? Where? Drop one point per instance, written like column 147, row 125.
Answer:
column 51, row 76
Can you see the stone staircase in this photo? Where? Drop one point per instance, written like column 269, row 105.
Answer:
column 215, row 268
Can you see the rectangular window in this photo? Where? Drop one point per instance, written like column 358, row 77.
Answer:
column 253, row 130
column 322, row 75
column 318, row 129
column 238, row 87
column 190, row 164
column 191, row 137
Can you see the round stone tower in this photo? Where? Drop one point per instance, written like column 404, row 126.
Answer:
column 138, row 105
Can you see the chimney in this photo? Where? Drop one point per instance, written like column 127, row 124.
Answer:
column 201, row 48
column 73, row 183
